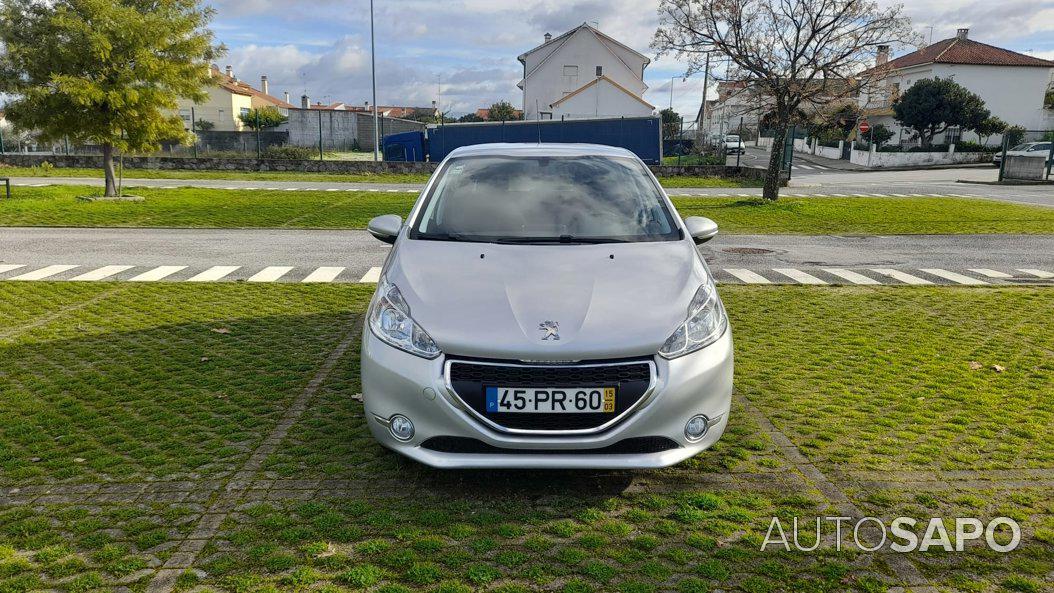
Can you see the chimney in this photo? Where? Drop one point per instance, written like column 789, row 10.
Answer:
column 230, row 71
column 264, row 86
column 305, row 103
column 962, row 33
column 883, row 55
column 548, row 37
column 367, row 106
column 286, row 95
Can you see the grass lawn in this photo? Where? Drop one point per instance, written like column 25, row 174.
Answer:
column 196, row 207
column 685, row 181
column 875, row 386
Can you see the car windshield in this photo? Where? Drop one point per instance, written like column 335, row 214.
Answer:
column 1021, row 147
column 732, row 138
column 504, row 199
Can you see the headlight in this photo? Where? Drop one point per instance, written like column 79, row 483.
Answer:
column 706, row 323
column 391, row 322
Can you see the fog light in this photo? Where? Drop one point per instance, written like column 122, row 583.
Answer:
column 401, row 427
column 696, row 427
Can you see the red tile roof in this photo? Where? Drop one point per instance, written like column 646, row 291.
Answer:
column 240, row 88
column 966, row 51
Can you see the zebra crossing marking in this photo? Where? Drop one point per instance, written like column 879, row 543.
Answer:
column 748, row 276
column 373, row 275
column 45, row 272
column 1035, row 272
column 953, row 276
column 799, row 276
column 901, row 276
column 323, row 274
column 214, row 273
column 5, row 268
column 851, row 276
column 101, row 273
column 990, row 273
column 270, row 274
column 157, row 273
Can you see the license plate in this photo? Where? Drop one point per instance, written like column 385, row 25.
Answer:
column 551, row 400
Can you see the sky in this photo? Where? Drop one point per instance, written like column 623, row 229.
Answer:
column 463, row 52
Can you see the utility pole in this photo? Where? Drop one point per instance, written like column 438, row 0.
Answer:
column 706, row 83
column 373, row 75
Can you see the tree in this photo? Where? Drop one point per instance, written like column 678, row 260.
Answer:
column 204, row 125
column 671, row 123
column 989, row 127
column 879, row 135
column 838, row 120
column 1014, row 135
column 502, row 111
column 931, row 106
column 105, row 72
column 267, row 117
column 793, row 53
column 469, row 117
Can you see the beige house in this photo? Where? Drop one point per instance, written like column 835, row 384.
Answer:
column 228, row 99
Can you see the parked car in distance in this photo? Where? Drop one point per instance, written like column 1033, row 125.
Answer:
column 544, row 306
column 1034, row 149
column 733, row 145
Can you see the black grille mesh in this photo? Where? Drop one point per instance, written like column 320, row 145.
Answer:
column 635, row 445
column 630, row 378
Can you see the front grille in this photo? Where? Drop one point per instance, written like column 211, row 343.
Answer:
column 469, row 379
column 635, row 445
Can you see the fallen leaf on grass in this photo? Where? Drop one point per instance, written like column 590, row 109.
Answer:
column 974, row 365
column 204, row 359
column 78, row 460
column 221, row 330
column 357, row 397
column 997, row 368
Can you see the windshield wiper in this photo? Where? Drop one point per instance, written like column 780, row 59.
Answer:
column 447, row 237
column 560, row 239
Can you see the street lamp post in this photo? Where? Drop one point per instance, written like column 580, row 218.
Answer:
column 373, row 75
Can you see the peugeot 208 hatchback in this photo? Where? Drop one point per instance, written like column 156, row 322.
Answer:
column 544, row 306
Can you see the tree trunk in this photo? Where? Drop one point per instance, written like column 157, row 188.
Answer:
column 772, row 175
column 107, row 167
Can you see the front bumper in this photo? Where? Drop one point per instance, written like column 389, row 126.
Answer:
column 394, row 382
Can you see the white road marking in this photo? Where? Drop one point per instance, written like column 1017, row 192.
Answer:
column 373, row 275
column 901, row 276
column 748, row 276
column 213, row 274
column 953, row 276
column 5, row 268
column 45, row 272
column 270, row 274
column 1035, row 272
column 990, row 273
column 851, row 276
column 101, row 273
column 799, row 276
column 323, row 274
column 156, row 274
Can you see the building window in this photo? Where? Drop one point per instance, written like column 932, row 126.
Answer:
column 245, row 111
column 570, row 70
column 600, row 70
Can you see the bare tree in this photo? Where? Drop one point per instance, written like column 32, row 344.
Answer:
column 794, row 53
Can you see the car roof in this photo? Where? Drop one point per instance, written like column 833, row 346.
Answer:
column 527, row 149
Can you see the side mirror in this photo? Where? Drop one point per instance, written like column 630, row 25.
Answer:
column 701, row 229
column 385, row 228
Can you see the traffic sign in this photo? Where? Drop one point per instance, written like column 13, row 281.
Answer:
column 865, row 127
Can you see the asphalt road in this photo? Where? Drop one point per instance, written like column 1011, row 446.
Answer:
column 357, row 252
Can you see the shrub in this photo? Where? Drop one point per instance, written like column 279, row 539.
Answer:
column 289, row 152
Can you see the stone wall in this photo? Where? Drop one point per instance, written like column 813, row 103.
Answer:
column 252, row 164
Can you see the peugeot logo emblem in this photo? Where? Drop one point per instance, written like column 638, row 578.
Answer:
column 551, row 329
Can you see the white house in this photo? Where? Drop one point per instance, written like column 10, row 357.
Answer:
column 1013, row 85
column 583, row 74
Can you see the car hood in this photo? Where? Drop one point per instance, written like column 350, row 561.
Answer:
column 489, row 300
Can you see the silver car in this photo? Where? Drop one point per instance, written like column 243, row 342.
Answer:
column 544, row 306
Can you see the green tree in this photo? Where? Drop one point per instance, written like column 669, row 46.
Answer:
column 503, row 111
column 988, row 127
column 268, row 117
column 469, row 117
column 671, row 123
column 1014, row 135
column 106, row 72
column 879, row 135
column 204, row 125
column 931, row 106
